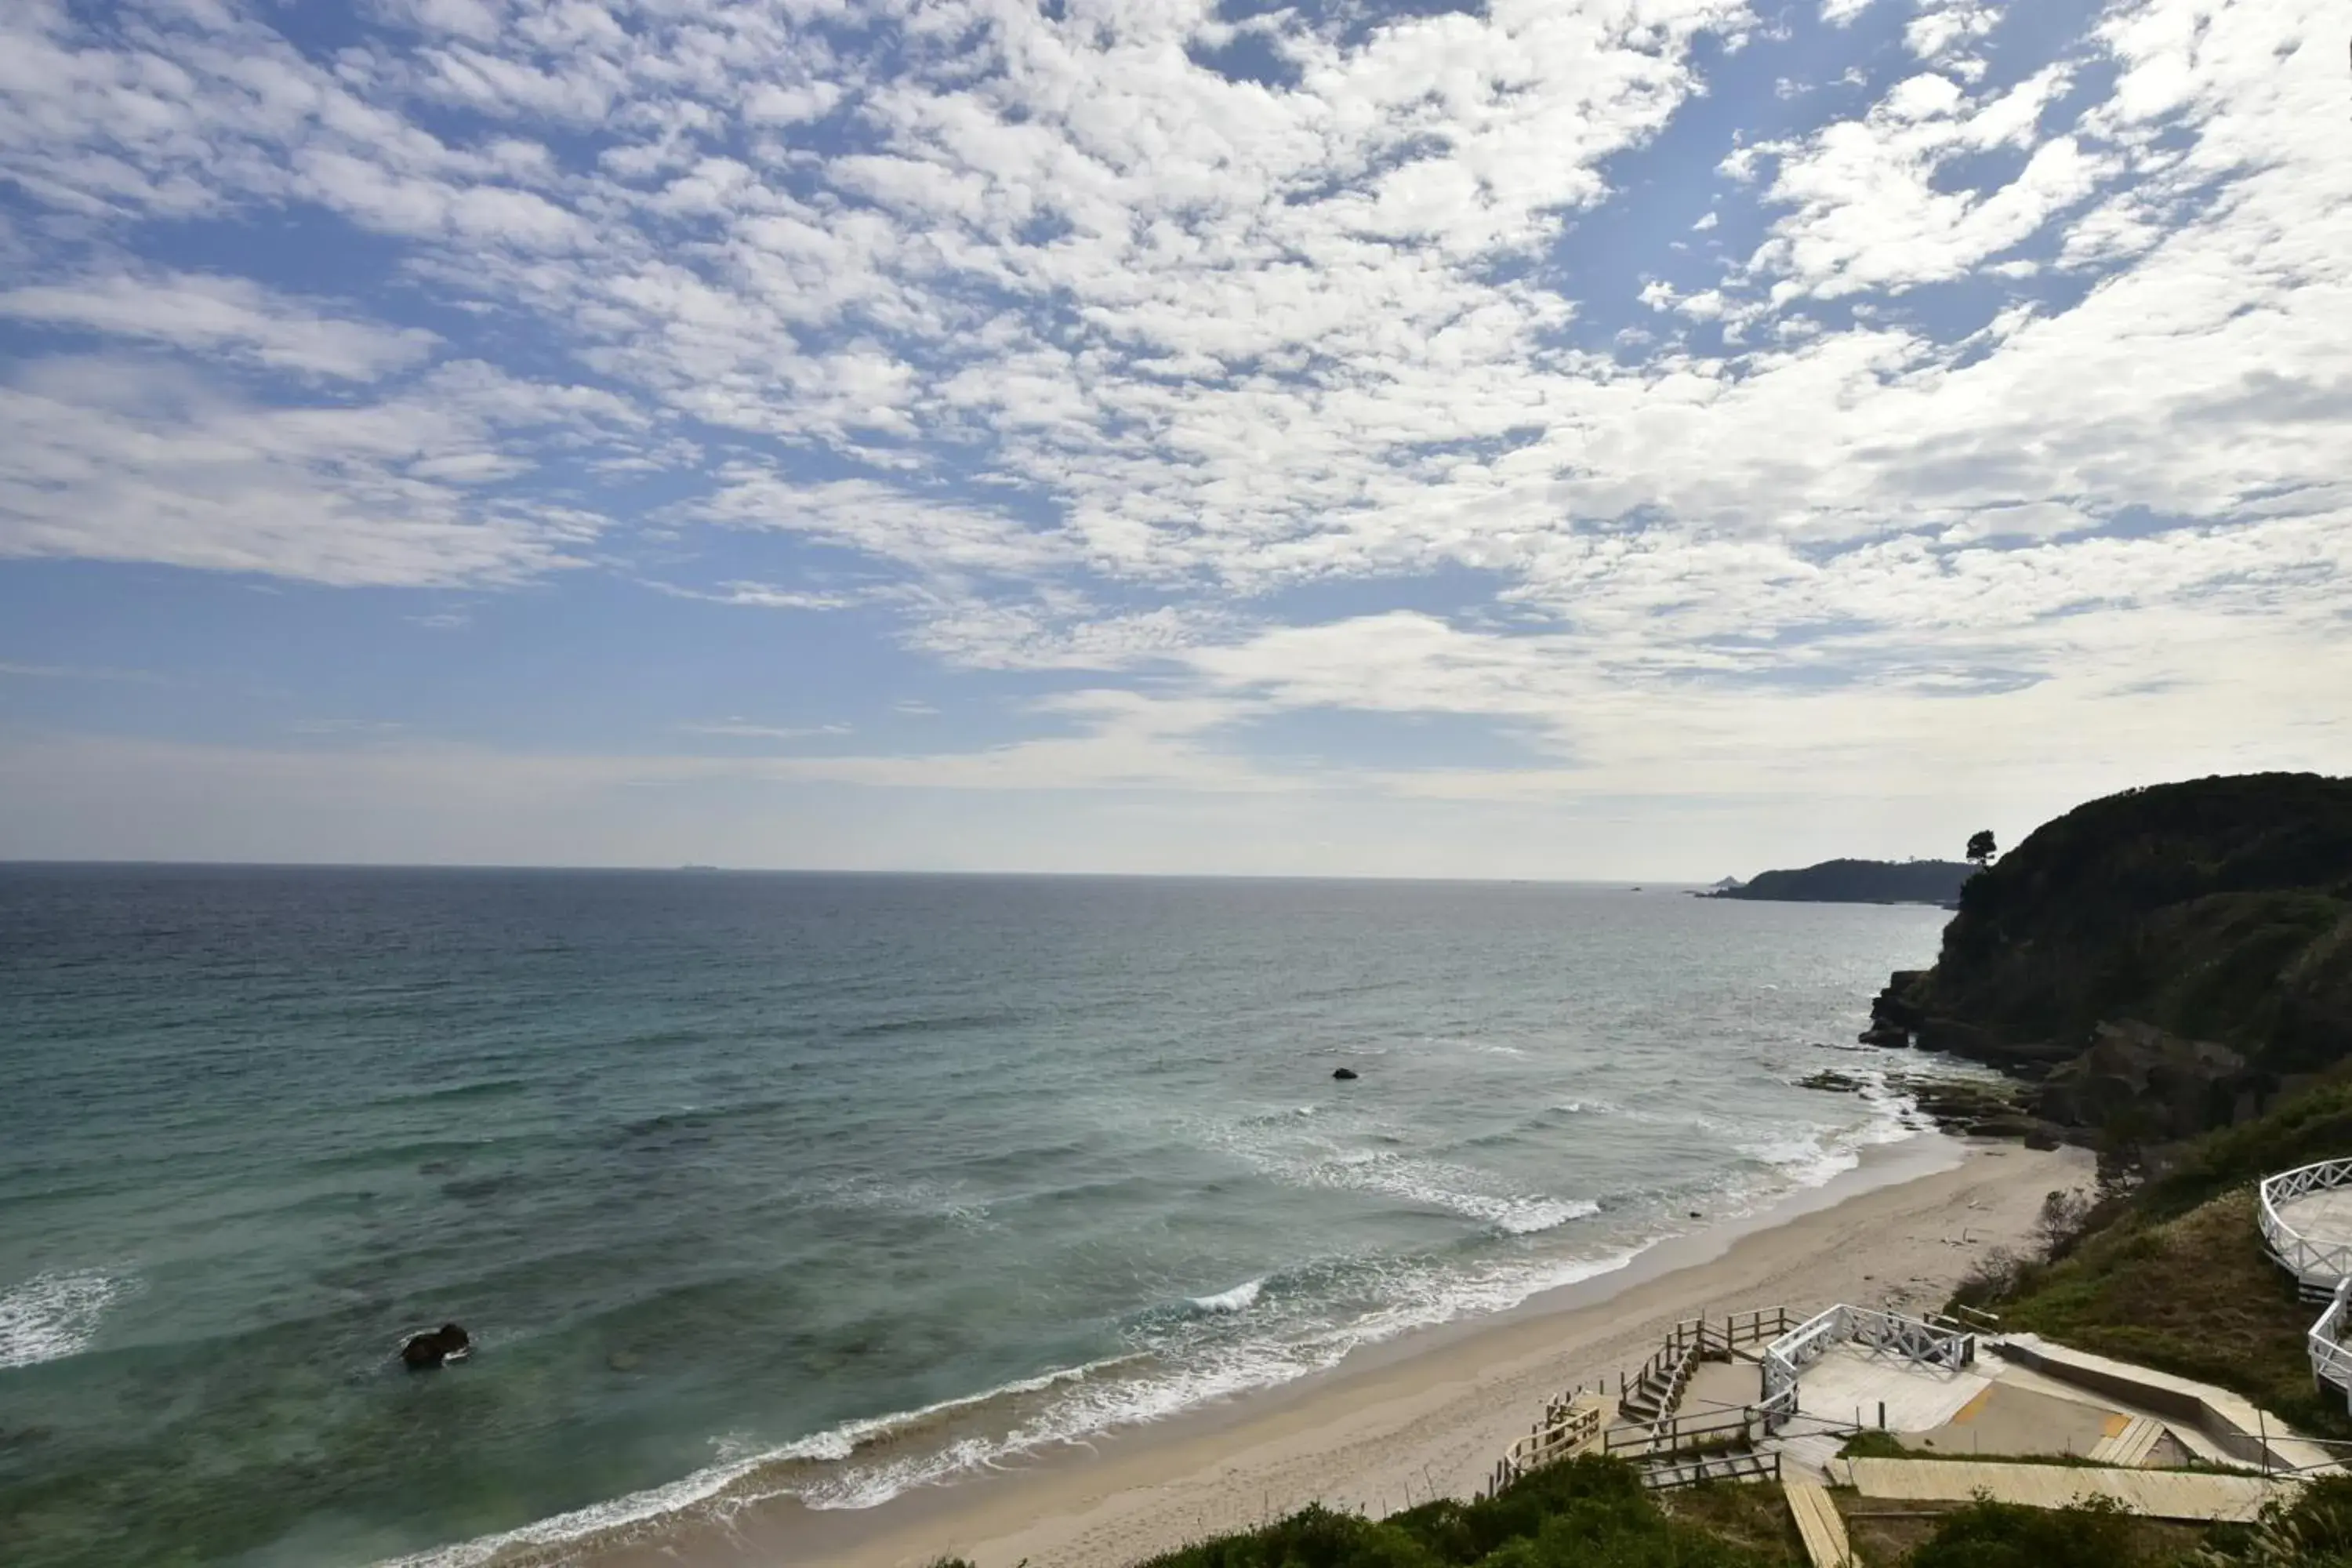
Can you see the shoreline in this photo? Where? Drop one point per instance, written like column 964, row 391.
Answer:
column 1395, row 1423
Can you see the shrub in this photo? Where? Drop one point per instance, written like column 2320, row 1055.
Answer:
column 1984, row 1534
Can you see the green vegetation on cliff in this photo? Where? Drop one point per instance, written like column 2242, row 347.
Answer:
column 2219, row 911
column 1858, row 882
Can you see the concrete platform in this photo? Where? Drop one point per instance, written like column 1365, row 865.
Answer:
column 2323, row 1217
column 1848, row 1385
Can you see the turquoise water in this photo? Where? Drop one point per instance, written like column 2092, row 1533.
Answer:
column 819, row 1184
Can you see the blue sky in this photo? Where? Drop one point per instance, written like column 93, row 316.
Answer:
column 1651, row 438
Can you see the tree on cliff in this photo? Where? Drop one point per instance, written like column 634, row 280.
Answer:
column 1980, row 846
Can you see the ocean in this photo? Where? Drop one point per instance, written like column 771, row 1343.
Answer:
column 754, row 1184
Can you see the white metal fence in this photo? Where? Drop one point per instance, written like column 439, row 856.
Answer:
column 1889, row 1333
column 2331, row 1361
column 2314, row 1264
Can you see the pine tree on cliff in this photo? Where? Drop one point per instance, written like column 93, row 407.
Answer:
column 1981, row 848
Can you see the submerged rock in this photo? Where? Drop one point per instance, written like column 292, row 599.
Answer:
column 423, row 1353
column 1344, row 1073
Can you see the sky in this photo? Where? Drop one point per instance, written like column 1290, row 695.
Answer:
column 1580, row 438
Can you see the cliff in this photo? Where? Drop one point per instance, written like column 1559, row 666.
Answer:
column 1858, row 882
column 2159, row 962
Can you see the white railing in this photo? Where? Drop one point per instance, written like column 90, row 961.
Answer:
column 2331, row 1361
column 1786, row 1358
column 2310, row 1262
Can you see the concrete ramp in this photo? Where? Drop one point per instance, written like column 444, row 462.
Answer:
column 2157, row 1494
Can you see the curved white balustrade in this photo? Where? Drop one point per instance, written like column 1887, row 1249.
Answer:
column 2317, row 1265
column 2331, row 1360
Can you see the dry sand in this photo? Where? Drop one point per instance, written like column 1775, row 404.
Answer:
column 1427, row 1415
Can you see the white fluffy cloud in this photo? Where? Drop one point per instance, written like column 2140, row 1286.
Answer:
column 1073, row 353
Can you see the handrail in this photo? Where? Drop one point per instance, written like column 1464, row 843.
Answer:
column 1786, row 1358
column 2331, row 1361
column 1667, row 1473
column 1572, row 1420
column 2309, row 1261
column 1674, row 1432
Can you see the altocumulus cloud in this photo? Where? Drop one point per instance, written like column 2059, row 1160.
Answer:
column 1710, row 395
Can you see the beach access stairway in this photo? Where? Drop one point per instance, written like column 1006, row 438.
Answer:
column 1673, row 1448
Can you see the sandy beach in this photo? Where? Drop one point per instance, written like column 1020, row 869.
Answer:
column 1423, row 1415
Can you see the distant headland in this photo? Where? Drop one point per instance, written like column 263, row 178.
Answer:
column 1856, row 882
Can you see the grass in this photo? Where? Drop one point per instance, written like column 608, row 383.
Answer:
column 1749, row 1514
column 2002, row 1535
column 2195, row 1295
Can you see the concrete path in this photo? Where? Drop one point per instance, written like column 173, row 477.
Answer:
column 2158, row 1494
column 1818, row 1523
column 2163, row 1393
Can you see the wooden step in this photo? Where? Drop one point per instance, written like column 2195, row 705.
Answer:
column 2132, row 1446
column 1818, row 1523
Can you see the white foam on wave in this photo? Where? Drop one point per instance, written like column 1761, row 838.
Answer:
column 1326, row 1159
column 738, row 1464
column 1808, row 1159
column 1240, row 1298
column 1095, row 1405
column 54, row 1315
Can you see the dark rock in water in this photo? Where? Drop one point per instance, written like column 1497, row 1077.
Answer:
column 1887, row 1037
column 1695, row 1215
column 1834, row 1082
column 423, row 1353
column 1344, row 1073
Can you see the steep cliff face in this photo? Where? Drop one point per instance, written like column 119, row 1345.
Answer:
column 2173, row 953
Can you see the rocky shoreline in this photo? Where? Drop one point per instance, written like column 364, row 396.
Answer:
column 2132, row 1086
column 1966, row 1107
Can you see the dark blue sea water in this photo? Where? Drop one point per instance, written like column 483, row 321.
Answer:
column 821, row 1185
